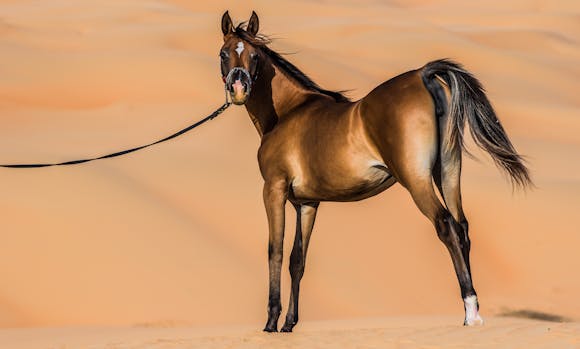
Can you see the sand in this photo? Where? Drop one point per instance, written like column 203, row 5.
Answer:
column 385, row 333
column 164, row 244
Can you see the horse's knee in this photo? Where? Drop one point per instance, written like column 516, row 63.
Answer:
column 275, row 252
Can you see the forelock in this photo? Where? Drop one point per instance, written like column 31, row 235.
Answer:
column 257, row 40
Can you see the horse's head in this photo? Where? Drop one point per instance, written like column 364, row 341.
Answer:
column 239, row 58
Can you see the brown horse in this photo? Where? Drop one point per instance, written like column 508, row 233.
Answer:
column 317, row 145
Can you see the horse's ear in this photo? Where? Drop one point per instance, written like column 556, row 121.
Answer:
column 227, row 24
column 253, row 24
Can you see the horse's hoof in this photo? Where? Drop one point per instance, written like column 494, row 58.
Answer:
column 286, row 328
column 270, row 329
column 476, row 321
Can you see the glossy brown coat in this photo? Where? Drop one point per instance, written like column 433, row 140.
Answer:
column 317, row 146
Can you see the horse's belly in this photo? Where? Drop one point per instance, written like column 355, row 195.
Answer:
column 343, row 185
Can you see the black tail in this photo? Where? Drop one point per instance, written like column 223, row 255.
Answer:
column 468, row 101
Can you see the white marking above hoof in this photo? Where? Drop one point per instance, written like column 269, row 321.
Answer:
column 477, row 321
column 472, row 317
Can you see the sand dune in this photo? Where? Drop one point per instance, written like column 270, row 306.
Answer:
column 177, row 234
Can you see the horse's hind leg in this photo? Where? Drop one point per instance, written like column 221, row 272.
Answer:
column 447, row 176
column 305, row 216
column 449, row 232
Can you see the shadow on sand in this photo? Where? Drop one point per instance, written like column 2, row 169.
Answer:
column 535, row 315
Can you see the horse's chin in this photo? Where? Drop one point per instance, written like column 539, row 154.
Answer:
column 238, row 99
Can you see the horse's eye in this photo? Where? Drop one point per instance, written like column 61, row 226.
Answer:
column 254, row 56
column 224, row 55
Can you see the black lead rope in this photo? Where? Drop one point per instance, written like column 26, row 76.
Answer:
column 123, row 152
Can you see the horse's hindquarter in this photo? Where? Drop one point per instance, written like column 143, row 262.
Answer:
column 324, row 153
column 399, row 119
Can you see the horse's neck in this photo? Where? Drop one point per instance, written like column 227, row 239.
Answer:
column 273, row 97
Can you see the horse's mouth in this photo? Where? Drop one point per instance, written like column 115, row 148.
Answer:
column 239, row 92
column 238, row 84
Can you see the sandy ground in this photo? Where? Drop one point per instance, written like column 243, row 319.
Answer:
column 385, row 333
column 176, row 235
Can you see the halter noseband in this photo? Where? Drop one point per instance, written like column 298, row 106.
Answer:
column 228, row 79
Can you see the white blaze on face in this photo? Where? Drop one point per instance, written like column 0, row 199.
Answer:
column 240, row 48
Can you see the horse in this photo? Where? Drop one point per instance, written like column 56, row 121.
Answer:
column 318, row 145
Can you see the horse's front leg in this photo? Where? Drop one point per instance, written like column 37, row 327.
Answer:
column 275, row 195
column 306, row 214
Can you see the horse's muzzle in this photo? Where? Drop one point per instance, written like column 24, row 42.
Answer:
column 239, row 85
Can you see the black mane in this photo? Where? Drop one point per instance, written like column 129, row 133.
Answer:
column 261, row 42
